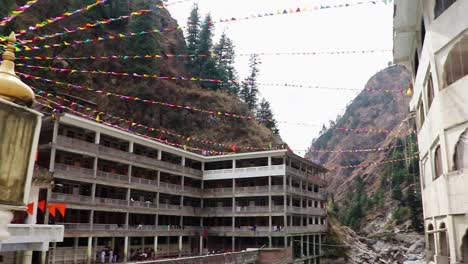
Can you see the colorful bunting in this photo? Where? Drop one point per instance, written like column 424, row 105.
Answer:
column 365, row 165
column 18, row 11
column 133, row 125
column 52, row 209
column 51, row 20
column 160, row 30
column 84, row 27
column 201, row 55
column 195, row 109
column 61, row 208
column 59, row 106
column 196, row 79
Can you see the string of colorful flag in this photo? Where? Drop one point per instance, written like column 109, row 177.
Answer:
column 130, row 123
column 195, row 109
column 200, row 55
column 53, row 208
column 196, row 79
column 18, row 11
column 151, row 31
column 315, row 7
column 100, row 116
column 207, row 152
column 56, row 109
column 84, row 27
column 52, row 20
column 365, row 165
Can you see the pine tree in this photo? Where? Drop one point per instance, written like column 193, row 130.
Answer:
column 205, row 67
column 193, row 31
column 146, row 44
column 249, row 90
column 265, row 116
column 225, row 64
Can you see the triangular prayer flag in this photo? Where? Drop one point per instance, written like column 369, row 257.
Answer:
column 61, row 208
column 41, row 205
column 52, row 209
column 30, row 209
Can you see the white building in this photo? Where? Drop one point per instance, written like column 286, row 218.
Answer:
column 431, row 39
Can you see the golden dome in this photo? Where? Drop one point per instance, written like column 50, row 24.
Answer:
column 11, row 87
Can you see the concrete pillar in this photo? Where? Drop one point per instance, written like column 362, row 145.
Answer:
column 97, row 138
column 129, row 173
column 95, row 166
column 158, row 180
column 233, row 164
column 91, row 219
column 269, row 161
column 270, row 242
column 203, row 166
column 201, row 245
column 75, row 249
column 308, row 245
column 155, row 248
column 131, row 145
column 451, row 239
column 128, row 196
column 159, row 154
column 180, row 246
column 182, row 162
column 233, row 244
column 126, row 248
column 89, row 251
column 93, row 191
column 95, row 240
column 302, row 246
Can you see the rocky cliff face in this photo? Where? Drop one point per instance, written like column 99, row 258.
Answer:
column 214, row 128
column 373, row 110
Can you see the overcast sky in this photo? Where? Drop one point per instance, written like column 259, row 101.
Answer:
column 360, row 27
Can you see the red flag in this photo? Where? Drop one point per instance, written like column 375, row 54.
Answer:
column 61, row 209
column 52, row 209
column 30, row 209
column 41, row 205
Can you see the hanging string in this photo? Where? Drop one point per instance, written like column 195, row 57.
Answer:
column 204, row 152
column 18, row 11
column 52, row 20
column 195, row 109
column 200, row 55
column 84, row 27
column 195, row 79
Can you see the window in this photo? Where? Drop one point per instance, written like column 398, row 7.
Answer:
column 429, row 90
column 441, row 6
column 456, row 64
column 437, row 163
column 461, row 152
column 420, row 120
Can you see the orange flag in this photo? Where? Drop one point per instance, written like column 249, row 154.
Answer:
column 52, row 209
column 41, row 205
column 30, row 209
column 61, row 208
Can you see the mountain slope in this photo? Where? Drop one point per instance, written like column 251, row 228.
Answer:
column 189, row 123
column 376, row 110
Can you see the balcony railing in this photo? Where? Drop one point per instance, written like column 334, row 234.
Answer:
column 116, row 153
column 143, row 204
column 192, row 190
column 142, row 181
column 76, row 226
column 74, row 171
column 218, row 191
column 31, row 237
column 71, row 198
column 170, row 186
column 110, row 201
column 78, row 144
column 108, row 176
column 245, row 172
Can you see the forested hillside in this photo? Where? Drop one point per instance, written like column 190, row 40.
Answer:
column 228, row 96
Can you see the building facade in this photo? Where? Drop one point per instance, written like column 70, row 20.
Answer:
column 143, row 199
column 431, row 39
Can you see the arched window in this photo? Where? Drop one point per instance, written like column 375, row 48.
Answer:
column 443, row 241
column 461, row 152
column 429, row 91
column 437, row 163
column 430, row 250
column 456, row 65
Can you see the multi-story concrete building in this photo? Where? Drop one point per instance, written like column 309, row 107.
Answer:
column 141, row 198
column 431, row 39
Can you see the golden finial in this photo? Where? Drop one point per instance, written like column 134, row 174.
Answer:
column 11, row 87
column 409, row 92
